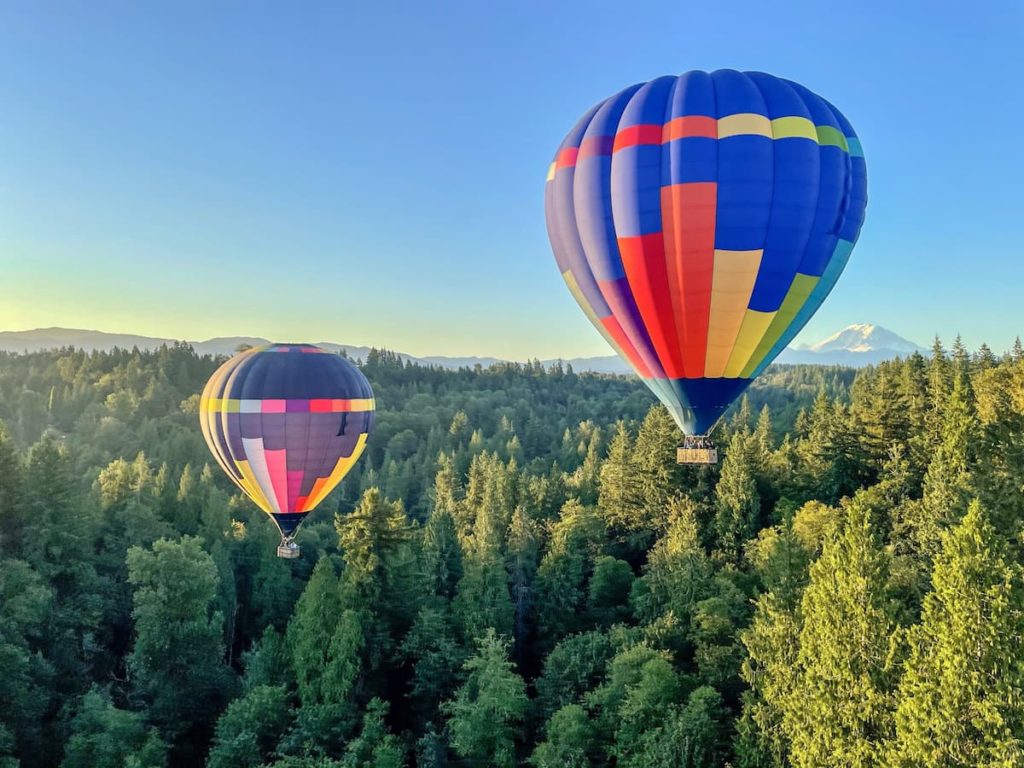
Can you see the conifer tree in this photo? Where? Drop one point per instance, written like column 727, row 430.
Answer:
column 609, row 590
column 311, row 629
column 177, row 664
column 189, row 501
column 27, row 679
column 250, row 728
column 561, row 577
column 829, row 452
column 431, row 750
column 781, row 560
column 913, row 386
column 736, row 500
column 999, row 444
column 620, row 500
column 268, row 662
column 486, row 712
column 961, row 358
column 743, row 418
column 641, row 677
column 380, row 581
column 984, row 359
column 839, row 709
column 569, row 740
column 763, row 438
column 436, row 655
column 660, row 476
column 60, row 534
column 881, row 411
column 441, row 554
column 678, row 571
column 713, row 628
column 483, row 599
column 375, row 747
column 948, row 480
column 689, row 736
column 939, row 383
column 574, row 667
column 588, row 476
column 103, row 736
column 646, row 704
column 961, row 698
column 11, row 520
column 771, row 643
column 524, row 539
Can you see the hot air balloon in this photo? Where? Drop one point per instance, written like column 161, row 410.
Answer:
column 700, row 221
column 287, row 422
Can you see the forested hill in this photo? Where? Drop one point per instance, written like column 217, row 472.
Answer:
column 518, row 573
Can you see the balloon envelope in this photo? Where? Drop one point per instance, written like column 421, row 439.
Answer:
column 700, row 221
column 287, row 422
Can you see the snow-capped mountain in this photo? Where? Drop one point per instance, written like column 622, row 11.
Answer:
column 856, row 345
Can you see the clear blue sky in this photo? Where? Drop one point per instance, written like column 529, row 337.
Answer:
column 373, row 173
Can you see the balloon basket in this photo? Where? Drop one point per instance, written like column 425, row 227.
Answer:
column 697, row 450
column 288, row 549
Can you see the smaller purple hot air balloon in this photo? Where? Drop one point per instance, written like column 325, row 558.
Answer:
column 287, row 422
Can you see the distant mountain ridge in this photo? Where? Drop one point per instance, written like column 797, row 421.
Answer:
column 40, row 339
column 856, row 345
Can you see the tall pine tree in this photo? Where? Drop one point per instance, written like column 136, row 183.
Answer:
column 961, row 699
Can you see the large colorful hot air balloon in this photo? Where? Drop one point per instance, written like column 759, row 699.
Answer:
column 700, row 221
column 287, row 422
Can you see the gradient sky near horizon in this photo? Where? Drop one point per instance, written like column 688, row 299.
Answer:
column 373, row 173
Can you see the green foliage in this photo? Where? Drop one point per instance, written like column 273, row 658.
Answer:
column 483, row 601
column 442, row 554
column 962, row 691
column 561, row 578
column 518, row 572
column 311, row 629
column 620, row 496
column 658, row 474
column 645, row 703
column 375, row 747
column 772, row 644
column 625, row 671
column 487, row 710
column 327, row 643
column 609, row 589
column 736, row 499
column 574, row 667
column 27, row 677
column 678, row 571
column 11, row 512
column 839, row 708
column 268, row 662
column 305, row 762
column 690, row 736
column 714, row 624
column 433, row 649
column 177, row 663
column 103, row 736
column 569, row 742
column 250, row 728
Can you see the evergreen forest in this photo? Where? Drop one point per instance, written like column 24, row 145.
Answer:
column 518, row 573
